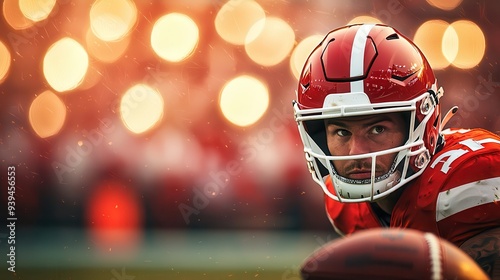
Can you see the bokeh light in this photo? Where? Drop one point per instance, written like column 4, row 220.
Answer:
column 471, row 44
column 5, row 61
column 269, row 41
column 301, row 52
column 429, row 37
column 92, row 77
column 47, row 114
column 141, row 108
column 112, row 20
column 106, row 51
column 65, row 64
column 174, row 37
column 13, row 15
column 462, row 43
column 449, row 43
column 446, row 5
column 235, row 18
column 244, row 100
column 36, row 10
column 364, row 19
column 114, row 217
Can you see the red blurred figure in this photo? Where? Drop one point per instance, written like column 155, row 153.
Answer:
column 114, row 218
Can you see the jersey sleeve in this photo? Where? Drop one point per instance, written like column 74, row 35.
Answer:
column 469, row 200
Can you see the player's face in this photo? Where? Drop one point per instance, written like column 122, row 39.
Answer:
column 361, row 135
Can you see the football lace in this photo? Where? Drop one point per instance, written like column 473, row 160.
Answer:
column 435, row 256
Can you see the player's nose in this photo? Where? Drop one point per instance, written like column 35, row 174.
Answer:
column 358, row 144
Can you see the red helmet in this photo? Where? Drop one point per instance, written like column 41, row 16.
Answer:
column 361, row 70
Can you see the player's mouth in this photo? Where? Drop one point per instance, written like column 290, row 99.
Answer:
column 360, row 174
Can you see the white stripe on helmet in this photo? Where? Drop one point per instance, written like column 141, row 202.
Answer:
column 358, row 55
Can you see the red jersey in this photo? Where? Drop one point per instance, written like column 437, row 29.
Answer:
column 456, row 197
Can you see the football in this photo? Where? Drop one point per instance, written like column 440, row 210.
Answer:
column 390, row 254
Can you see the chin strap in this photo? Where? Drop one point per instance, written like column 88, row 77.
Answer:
column 440, row 141
column 448, row 116
column 437, row 95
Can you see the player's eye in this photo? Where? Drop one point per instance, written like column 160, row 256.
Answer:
column 342, row 132
column 378, row 129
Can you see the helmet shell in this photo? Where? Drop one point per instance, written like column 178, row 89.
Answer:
column 385, row 65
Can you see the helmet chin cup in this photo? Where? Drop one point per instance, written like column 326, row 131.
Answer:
column 365, row 192
column 394, row 179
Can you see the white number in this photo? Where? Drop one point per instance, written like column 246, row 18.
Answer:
column 449, row 157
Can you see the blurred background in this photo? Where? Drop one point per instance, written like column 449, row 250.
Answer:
column 156, row 140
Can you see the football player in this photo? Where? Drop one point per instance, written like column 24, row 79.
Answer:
column 368, row 112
